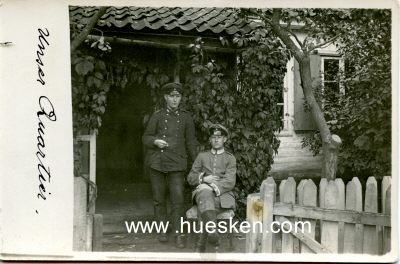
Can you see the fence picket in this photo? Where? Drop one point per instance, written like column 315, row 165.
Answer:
column 345, row 227
column 322, row 187
column 300, row 195
column 281, row 190
column 268, row 191
column 341, row 206
column 308, row 197
column 354, row 203
column 287, row 195
column 386, row 181
column 300, row 192
column 329, row 235
column 370, row 240
column 387, row 230
column 253, row 214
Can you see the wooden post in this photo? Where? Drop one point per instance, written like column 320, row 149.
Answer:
column 254, row 214
column 353, row 239
column 330, row 158
column 308, row 197
column 287, row 195
column 97, row 232
column 386, row 229
column 370, row 243
column 92, row 194
column 92, row 169
column 268, row 197
column 89, row 208
column 329, row 234
column 79, row 214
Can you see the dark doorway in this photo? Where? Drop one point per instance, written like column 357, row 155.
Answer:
column 119, row 145
column 124, row 189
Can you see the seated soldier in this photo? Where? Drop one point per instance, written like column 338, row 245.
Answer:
column 214, row 175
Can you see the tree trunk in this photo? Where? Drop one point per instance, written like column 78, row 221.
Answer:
column 330, row 157
column 85, row 32
column 330, row 144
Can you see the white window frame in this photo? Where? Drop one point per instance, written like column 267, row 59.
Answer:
column 341, row 69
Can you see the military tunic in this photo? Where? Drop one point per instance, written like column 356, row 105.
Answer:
column 177, row 129
column 218, row 163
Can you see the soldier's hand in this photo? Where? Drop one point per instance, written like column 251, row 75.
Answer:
column 160, row 143
column 210, row 179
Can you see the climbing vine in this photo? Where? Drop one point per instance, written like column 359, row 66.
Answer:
column 245, row 101
column 240, row 92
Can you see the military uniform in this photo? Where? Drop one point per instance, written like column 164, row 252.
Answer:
column 176, row 128
column 213, row 175
column 168, row 165
column 217, row 194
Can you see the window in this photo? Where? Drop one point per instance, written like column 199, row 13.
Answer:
column 331, row 67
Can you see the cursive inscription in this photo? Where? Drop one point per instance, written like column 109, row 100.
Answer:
column 43, row 34
column 47, row 113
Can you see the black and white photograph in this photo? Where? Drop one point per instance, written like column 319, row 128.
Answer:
column 276, row 118
column 184, row 131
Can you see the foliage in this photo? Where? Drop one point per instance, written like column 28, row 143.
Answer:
column 246, row 104
column 362, row 115
column 94, row 73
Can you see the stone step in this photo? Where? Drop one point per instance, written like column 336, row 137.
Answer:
column 296, row 174
column 296, row 165
column 291, row 139
column 298, row 159
column 294, row 152
column 290, row 144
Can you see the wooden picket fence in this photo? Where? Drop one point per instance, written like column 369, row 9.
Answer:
column 339, row 221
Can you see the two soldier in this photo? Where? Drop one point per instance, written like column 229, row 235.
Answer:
column 169, row 139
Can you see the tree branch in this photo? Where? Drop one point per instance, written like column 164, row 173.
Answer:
column 287, row 28
column 305, row 40
column 283, row 34
column 324, row 43
column 85, row 32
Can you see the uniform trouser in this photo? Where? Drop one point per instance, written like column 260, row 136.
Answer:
column 206, row 199
column 161, row 182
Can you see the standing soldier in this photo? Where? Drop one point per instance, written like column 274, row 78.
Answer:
column 169, row 138
column 213, row 175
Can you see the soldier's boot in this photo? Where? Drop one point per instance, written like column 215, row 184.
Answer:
column 201, row 243
column 180, row 241
column 212, row 235
column 161, row 216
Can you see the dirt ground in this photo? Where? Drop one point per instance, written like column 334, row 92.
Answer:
column 133, row 202
column 149, row 243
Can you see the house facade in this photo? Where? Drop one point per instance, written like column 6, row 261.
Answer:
column 293, row 159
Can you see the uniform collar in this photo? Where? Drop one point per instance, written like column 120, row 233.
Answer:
column 220, row 151
column 172, row 111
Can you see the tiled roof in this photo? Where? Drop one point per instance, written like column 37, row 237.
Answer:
column 215, row 20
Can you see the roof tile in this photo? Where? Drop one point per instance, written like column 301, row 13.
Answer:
column 216, row 20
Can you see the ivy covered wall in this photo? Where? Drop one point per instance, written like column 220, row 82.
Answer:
column 114, row 90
